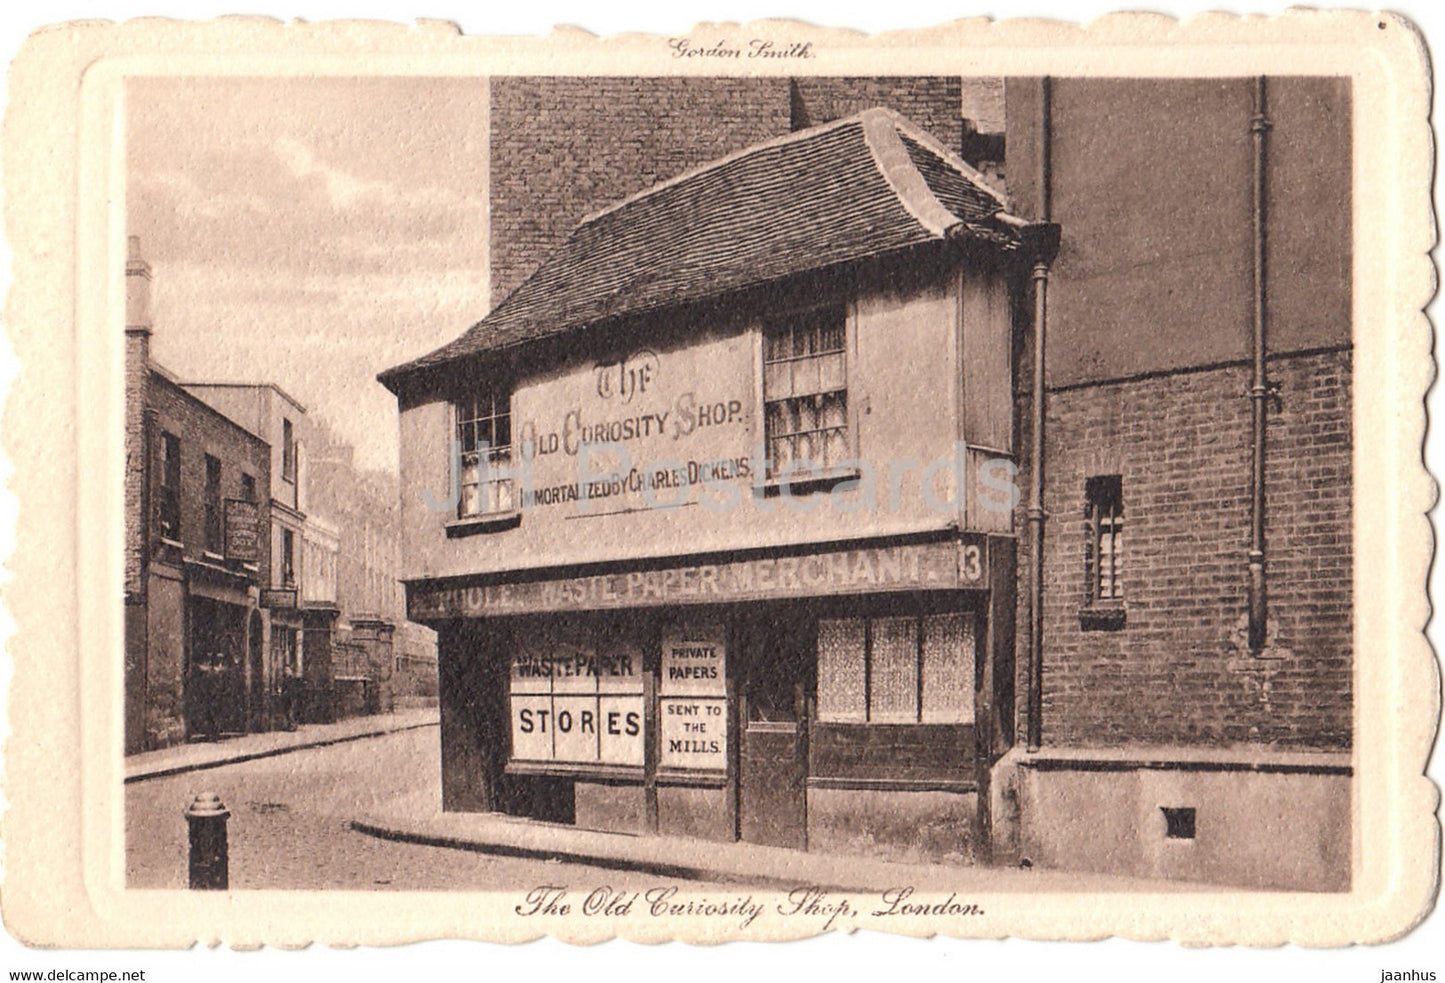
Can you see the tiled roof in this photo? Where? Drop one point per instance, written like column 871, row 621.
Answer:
column 857, row 187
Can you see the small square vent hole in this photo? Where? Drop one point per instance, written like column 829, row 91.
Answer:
column 1178, row 822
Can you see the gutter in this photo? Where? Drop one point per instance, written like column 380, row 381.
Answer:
column 1259, row 390
column 1035, row 512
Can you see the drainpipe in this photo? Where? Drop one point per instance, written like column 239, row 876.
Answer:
column 1259, row 390
column 1040, row 243
column 1035, row 512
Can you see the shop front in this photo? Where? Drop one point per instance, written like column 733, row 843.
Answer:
column 823, row 700
column 219, row 686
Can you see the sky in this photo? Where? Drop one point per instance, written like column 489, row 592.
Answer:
column 310, row 232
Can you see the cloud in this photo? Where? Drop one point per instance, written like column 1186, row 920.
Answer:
column 188, row 200
column 322, row 338
column 311, row 232
column 283, row 206
column 343, row 189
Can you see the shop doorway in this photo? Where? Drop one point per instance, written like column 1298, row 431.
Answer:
column 772, row 766
column 256, row 675
column 214, row 689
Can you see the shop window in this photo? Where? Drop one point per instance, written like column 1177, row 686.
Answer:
column 213, row 505
column 577, row 699
column 288, row 451
column 484, row 438
column 805, row 393
column 1104, row 552
column 285, row 653
column 896, row 670
column 168, row 504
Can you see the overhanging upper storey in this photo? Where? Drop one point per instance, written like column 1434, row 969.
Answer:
column 855, row 188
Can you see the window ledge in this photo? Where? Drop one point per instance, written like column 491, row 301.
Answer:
column 806, row 482
column 490, row 522
column 213, row 556
column 619, row 774
column 174, row 544
column 696, row 778
column 1102, row 617
column 772, row 726
column 828, row 783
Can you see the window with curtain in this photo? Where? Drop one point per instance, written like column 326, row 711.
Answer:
column 896, row 670
column 805, row 392
column 484, row 436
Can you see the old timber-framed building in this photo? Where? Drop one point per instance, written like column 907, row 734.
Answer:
column 727, row 516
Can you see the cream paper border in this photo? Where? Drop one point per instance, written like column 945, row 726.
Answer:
column 64, row 172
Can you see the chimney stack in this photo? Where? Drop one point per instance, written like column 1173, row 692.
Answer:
column 137, row 437
column 137, row 289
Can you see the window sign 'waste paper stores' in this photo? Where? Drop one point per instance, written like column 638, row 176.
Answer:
column 577, row 700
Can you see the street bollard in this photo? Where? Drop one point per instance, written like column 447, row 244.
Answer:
column 206, row 816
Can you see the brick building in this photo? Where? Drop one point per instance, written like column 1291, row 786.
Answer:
column 1167, row 693
column 196, row 552
column 302, row 612
column 1156, row 707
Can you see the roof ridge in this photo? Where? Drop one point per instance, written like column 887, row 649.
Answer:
column 880, row 133
column 851, row 188
column 778, row 141
column 921, row 136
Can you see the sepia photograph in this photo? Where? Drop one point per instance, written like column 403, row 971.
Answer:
column 740, row 524
column 731, row 485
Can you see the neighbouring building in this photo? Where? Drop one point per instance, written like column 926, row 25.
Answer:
column 302, row 612
column 1189, row 725
column 380, row 658
column 197, row 553
column 727, row 515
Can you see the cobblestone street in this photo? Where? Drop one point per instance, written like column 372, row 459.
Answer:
column 289, row 826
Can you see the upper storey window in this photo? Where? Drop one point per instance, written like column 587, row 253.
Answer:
column 1104, row 559
column 805, row 392
column 288, row 451
column 484, row 438
column 1104, row 568
column 168, row 502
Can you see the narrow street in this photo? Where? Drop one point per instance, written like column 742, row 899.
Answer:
column 289, row 826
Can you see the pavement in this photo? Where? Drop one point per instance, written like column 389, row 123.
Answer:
column 200, row 755
column 417, row 818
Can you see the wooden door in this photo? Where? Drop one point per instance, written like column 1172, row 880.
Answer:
column 772, row 766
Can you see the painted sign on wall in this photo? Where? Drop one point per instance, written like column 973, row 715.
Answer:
column 243, row 530
column 638, row 430
column 692, row 706
column 918, row 566
column 577, row 702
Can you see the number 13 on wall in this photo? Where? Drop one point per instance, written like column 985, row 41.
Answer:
column 970, row 563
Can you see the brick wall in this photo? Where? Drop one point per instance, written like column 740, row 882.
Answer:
column 562, row 148
column 1179, row 671
column 935, row 104
column 137, row 354
column 201, row 431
